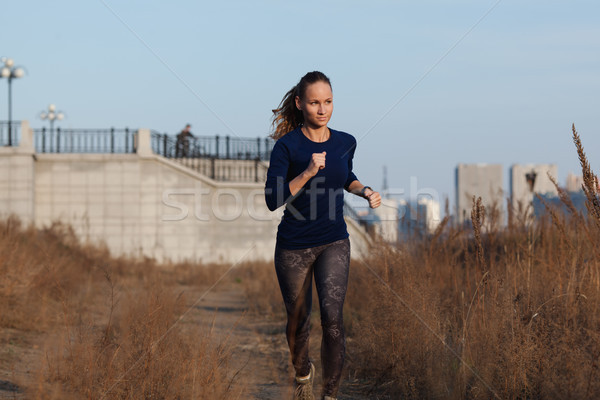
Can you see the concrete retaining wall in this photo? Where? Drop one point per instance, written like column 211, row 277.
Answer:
column 17, row 189
column 143, row 204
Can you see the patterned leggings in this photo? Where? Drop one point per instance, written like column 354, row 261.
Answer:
column 330, row 264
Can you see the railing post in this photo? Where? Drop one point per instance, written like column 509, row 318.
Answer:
column 266, row 149
column 258, row 147
column 112, row 139
column 126, row 140
column 227, row 147
column 58, row 139
column 212, row 166
column 256, row 161
column 217, row 146
column 165, row 145
column 43, row 139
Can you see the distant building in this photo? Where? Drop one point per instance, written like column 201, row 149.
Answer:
column 530, row 179
column 430, row 209
column 574, row 182
column 418, row 218
column 386, row 218
column 479, row 180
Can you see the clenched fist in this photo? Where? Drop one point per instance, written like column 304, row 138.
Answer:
column 373, row 197
column 317, row 162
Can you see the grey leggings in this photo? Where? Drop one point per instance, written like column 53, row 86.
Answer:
column 330, row 264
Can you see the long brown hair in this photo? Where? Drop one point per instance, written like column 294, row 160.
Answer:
column 287, row 117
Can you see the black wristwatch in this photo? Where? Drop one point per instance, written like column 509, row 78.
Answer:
column 362, row 191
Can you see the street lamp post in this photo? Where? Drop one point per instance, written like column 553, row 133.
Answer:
column 52, row 115
column 10, row 72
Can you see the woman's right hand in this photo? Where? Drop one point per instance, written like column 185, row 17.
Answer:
column 317, row 162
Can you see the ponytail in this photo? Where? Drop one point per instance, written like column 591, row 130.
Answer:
column 287, row 116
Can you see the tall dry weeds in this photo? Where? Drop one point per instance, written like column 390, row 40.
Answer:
column 477, row 220
column 501, row 312
column 106, row 327
column 590, row 181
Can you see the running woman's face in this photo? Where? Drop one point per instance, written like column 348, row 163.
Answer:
column 317, row 105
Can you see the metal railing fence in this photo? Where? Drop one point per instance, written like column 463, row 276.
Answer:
column 227, row 170
column 219, row 147
column 84, row 140
column 222, row 158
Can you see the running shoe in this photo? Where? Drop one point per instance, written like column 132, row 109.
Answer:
column 304, row 386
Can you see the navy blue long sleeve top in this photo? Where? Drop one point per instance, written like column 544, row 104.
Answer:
column 315, row 215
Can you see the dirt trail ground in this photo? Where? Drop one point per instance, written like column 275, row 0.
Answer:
column 260, row 357
column 260, row 354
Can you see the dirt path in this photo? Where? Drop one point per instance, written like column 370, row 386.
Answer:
column 259, row 359
column 260, row 356
column 260, row 352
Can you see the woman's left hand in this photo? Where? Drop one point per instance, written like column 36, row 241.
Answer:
column 373, row 197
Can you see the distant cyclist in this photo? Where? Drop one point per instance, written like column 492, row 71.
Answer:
column 182, row 147
column 310, row 167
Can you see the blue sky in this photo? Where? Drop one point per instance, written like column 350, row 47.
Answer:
column 507, row 93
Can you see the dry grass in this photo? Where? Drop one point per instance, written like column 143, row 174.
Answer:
column 494, row 312
column 260, row 285
column 106, row 326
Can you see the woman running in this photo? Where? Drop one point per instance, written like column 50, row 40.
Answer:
column 310, row 167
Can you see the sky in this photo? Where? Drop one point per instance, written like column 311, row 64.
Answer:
column 422, row 85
